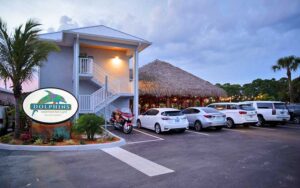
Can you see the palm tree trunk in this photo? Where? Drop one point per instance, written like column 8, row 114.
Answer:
column 17, row 118
column 290, row 86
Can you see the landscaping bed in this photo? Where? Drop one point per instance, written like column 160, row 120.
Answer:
column 86, row 133
column 78, row 140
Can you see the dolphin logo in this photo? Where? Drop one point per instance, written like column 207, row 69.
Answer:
column 50, row 98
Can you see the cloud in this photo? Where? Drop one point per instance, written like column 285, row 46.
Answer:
column 221, row 41
column 66, row 22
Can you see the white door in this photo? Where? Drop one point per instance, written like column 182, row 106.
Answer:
column 144, row 119
column 152, row 118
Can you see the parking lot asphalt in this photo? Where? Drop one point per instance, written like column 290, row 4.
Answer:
column 241, row 157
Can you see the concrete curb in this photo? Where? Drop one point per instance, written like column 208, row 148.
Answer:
column 119, row 143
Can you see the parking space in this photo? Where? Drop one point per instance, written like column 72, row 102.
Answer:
column 136, row 136
column 241, row 157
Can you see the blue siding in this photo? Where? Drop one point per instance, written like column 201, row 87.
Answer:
column 58, row 70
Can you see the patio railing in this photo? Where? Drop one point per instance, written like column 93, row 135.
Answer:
column 86, row 66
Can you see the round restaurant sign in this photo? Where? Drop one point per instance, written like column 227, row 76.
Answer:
column 50, row 105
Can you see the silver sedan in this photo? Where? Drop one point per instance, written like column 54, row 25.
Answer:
column 204, row 117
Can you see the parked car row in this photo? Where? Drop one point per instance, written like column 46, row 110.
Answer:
column 217, row 115
column 294, row 110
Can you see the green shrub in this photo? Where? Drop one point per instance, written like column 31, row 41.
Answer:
column 6, row 138
column 101, row 140
column 82, row 142
column 35, row 137
column 60, row 134
column 70, row 142
column 39, row 141
column 111, row 138
column 52, row 142
column 90, row 124
column 13, row 142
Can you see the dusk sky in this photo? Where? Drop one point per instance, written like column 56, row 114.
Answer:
column 232, row 41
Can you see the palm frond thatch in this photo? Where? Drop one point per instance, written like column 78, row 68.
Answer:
column 160, row 78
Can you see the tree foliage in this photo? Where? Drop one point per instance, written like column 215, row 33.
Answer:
column 290, row 64
column 21, row 53
column 259, row 89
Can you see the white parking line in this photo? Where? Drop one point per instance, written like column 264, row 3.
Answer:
column 148, row 134
column 235, row 130
column 197, row 133
column 137, row 142
column 141, row 164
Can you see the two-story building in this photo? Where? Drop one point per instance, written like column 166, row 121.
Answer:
column 94, row 64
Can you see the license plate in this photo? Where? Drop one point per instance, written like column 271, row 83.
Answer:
column 176, row 120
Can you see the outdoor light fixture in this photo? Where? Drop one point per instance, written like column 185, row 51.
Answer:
column 116, row 61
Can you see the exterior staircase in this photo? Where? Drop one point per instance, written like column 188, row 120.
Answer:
column 102, row 97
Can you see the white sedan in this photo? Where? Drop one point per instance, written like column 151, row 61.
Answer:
column 163, row 119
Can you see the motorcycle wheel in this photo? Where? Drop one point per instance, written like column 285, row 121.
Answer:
column 127, row 129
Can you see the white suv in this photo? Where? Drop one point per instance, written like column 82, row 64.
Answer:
column 270, row 111
column 237, row 113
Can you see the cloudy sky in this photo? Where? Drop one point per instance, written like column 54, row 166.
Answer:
column 232, row 41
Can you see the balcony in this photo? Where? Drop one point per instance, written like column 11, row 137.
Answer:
column 85, row 67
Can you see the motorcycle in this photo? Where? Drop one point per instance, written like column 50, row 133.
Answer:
column 122, row 120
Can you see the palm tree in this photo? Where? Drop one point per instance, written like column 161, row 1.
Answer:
column 290, row 63
column 20, row 55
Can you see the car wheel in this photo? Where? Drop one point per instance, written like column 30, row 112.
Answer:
column 181, row 130
column 261, row 121
column 157, row 128
column 297, row 120
column 139, row 124
column 219, row 128
column 198, row 126
column 230, row 123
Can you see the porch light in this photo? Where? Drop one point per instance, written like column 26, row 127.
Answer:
column 116, row 61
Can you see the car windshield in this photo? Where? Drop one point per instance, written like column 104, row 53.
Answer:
column 210, row 110
column 279, row 106
column 247, row 107
column 171, row 113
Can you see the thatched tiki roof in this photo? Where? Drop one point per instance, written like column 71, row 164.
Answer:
column 160, row 78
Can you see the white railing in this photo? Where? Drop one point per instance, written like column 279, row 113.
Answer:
column 88, row 103
column 98, row 97
column 86, row 66
column 85, row 103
